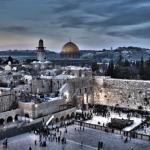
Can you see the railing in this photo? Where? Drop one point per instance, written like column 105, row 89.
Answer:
column 131, row 134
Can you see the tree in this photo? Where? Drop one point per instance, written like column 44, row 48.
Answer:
column 147, row 63
column 110, row 70
column 120, row 60
column 122, row 72
column 1, row 60
column 10, row 59
column 141, row 69
column 95, row 67
column 126, row 63
column 145, row 70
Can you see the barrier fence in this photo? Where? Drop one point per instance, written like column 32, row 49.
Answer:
column 19, row 130
column 131, row 134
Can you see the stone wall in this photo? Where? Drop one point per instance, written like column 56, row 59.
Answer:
column 9, row 116
column 77, row 86
column 7, row 99
column 41, row 109
column 123, row 93
column 83, row 89
column 48, row 107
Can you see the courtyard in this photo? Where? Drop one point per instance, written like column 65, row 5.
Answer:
column 74, row 136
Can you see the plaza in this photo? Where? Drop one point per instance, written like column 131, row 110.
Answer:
column 74, row 136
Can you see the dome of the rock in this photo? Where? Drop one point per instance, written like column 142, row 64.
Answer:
column 70, row 49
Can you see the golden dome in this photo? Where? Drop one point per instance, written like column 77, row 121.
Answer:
column 70, row 48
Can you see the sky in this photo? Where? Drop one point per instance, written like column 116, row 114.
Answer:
column 91, row 24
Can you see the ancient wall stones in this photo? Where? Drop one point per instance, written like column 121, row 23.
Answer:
column 133, row 94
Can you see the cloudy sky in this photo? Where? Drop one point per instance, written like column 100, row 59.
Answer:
column 92, row 24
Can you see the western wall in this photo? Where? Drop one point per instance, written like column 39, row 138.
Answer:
column 134, row 94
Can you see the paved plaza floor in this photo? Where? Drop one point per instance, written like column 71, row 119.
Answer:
column 105, row 120
column 90, row 138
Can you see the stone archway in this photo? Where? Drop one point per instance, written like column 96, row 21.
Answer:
column 16, row 117
column 27, row 115
column 61, row 118
column 2, row 121
column 9, row 119
column 68, row 116
column 56, row 120
column 72, row 115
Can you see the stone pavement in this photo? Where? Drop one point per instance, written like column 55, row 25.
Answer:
column 90, row 138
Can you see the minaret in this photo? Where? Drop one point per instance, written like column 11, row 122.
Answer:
column 41, row 52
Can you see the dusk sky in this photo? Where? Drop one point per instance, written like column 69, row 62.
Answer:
column 91, row 24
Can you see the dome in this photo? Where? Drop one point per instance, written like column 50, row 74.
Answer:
column 70, row 48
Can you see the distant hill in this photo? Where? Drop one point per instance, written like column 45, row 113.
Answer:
column 24, row 54
column 130, row 53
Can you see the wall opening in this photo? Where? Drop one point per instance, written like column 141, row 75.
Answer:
column 1, row 121
column 27, row 115
column 62, row 118
column 9, row 119
column 72, row 115
column 16, row 117
column 56, row 120
column 68, row 116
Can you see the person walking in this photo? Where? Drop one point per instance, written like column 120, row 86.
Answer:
column 83, row 128
column 66, row 130
column 30, row 148
column 35, row 142
column 99, row 145
column 5, row 143
column 81, row 143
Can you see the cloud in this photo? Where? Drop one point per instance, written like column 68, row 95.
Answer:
column 140, row 33
column 58, row 20
column 19, row 29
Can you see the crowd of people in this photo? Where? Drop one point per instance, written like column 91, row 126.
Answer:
column 54, row 132
column 50, row 135
column 105, row 111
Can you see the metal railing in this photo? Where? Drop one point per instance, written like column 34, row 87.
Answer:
column 131, row 134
